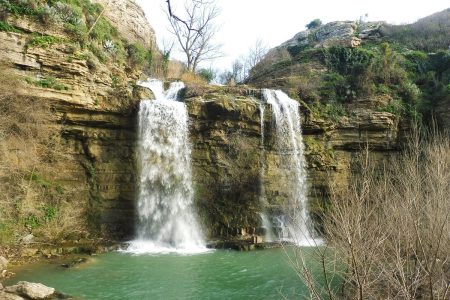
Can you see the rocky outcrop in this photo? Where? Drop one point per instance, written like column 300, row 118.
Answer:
column 340, row 33
column 130, row 20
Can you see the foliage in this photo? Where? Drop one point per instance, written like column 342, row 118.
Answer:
column 395, row 107
column 4, row 26
column 297, row 49
column 43, row 41
column 138, row 55
column 48, row 82
column 348, row 61
column 207, row 74
column 77, row 31
column 20, row 7
column 335, row 87
column 314, row 24
column 331, row 110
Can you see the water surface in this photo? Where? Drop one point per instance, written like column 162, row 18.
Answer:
column 219, row 274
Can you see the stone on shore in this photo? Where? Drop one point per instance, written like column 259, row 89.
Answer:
column 31, row 290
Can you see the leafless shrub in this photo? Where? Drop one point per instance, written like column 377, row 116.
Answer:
column 389, row 230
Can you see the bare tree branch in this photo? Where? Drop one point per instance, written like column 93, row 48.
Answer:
column 195, row 31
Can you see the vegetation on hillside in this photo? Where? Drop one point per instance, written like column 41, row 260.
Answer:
column 406, row 82
column 427, row 34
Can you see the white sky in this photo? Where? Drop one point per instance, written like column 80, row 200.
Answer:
column 242, row 22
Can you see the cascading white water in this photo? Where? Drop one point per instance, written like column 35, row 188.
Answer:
column 289, row 144
column 164, row 208
column 266, row 224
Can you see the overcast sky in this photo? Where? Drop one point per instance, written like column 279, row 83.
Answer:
column 242, row 22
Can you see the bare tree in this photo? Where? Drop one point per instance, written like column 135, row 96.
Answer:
column 195, row 31
column 388, row 232
column 241, row 67
column 256, row 54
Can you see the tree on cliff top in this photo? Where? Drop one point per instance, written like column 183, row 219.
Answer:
column 314, row 24
column 194, row 30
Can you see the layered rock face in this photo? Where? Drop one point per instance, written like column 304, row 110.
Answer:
column 96, row 126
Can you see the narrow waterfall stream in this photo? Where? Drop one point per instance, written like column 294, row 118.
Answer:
column 294, row 225
column 266, row 224
column 166, row 221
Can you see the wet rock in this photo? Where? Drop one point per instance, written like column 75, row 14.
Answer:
column 31, row 290
column 74, row 263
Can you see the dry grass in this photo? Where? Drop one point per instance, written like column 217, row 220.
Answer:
column 390, row 230
column 190, row 78
column 31, row 200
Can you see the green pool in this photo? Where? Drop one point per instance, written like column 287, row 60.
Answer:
column 219, row 274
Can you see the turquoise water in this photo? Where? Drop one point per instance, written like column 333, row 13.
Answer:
column 219, row 274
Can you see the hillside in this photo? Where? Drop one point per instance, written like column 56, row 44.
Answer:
column 336, row 67
column 429, row 34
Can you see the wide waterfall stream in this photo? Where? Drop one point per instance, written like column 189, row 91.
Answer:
column 167, row 222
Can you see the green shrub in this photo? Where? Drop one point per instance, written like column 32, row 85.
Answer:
column 32, row 221
column 98, row 52
column 20, row 7
column 49, row 213
column 348, row 61
column 314, row 24
column 103, row 31
column 136, row 54
column 395, row 107
column 331, row 110
column 207, row 74
column 43, row 41
column 7, row 27
column 296, row 50
column 78, row 32
column 335, row 87
column 47, row 82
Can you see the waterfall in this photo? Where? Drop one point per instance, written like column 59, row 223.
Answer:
column 268, row 234
column 166, row 221
column 289, row 145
